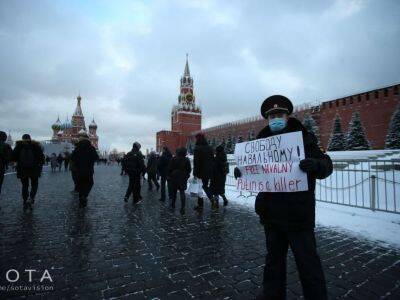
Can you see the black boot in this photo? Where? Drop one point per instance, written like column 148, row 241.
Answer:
column 81, row 201
column 200, row 204
column 183, row 205
column 225, row 200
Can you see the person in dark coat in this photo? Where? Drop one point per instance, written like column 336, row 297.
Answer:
column 152, row 171
column 134, row 166
column 162, row 167
column 28, row 155
column 60, row 160
column 83, row 159
column 220, row 170
column 5, row 156
column 123, row 166
column 66, row 160
column 179, row 172
column 289, row 218
column 203, row 156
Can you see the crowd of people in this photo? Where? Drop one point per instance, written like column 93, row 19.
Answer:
column 166, row 171
column 28, row 159
column 57, row 161
column 171, row 173
column 288, row 217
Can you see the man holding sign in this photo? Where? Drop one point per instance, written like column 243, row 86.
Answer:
column 282, row 165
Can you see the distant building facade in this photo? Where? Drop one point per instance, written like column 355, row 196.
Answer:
column 375, row 107
column 185, row 116
column 68, row 132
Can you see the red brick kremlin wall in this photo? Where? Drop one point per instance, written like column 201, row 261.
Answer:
column 376, row 108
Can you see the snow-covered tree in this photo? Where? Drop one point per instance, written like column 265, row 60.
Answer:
column 356, row 138
column 229, row 144
column 337, row 141
column 250, row 137
column 311, row 126
column 240, row 139
column 393, row 136
column 234, row 141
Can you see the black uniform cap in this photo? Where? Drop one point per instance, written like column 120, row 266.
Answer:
column 276, row 103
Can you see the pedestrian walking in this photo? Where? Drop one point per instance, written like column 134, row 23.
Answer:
column 218, row 179
column 66, row 160
column 5, row 156
column 83, row 159
column 28, row 155
column 179, row 172
column 289, row 218
column 60, row 160
column 162, row 167
column 74, row 177
column 53, row 162
column 202, row 167
column 123, row 165
column 134, row 166
column 152, row 171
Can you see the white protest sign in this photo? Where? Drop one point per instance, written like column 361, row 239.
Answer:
column 272, row 164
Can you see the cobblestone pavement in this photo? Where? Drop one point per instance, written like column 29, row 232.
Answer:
column 112, row 249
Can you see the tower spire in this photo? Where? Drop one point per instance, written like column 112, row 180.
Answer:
column 78, row 109
column 186, row 73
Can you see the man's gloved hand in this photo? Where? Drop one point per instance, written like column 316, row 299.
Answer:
column 309, row 165
column 237, row 173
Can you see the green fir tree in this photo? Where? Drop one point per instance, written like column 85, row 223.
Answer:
column 393, row 136
column 337, row 141
column 356, row 138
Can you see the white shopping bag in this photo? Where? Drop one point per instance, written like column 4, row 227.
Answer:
column 195, row 188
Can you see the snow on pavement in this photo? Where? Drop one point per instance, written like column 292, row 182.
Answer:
column 380, row 227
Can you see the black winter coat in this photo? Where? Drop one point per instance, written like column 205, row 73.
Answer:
column 83, row 158
column 220, row 170
column 134, row 162
column 38, row 159
column 163, row 163
column 294, row 211
column 152, row 165
column 203, row 161
column 179, row 172
column 5, row 156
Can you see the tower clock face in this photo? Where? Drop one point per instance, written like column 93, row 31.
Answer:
column 189, row 98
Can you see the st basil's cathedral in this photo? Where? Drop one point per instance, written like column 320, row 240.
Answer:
column 69, row 131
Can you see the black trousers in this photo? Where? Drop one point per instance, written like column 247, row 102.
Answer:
column 75, row 180
column 152, row 178
column 181, row 195
column 84, row 184
column 133, row 187
column 1, row 178
column 165, row 182
column 309, row 266
column 206, row 187
column 25, row 187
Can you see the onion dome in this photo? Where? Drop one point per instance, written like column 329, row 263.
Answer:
column 57, row 125
column 93, row 125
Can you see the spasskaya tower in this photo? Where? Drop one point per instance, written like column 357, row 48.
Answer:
column 185, row 116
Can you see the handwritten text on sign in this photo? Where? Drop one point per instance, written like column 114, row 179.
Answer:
column 272, row 164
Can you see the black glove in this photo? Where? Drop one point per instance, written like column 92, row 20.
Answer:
column 237, row 173
column 309, row 165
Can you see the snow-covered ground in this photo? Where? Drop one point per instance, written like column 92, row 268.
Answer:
column 381, row 227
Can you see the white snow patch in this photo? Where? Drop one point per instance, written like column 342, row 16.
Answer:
column 381, row 227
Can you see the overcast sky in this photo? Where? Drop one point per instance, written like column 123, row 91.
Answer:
column 126, row 58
